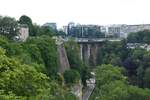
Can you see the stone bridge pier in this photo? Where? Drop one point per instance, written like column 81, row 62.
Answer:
column 88, row 53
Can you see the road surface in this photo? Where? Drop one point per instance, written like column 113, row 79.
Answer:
column 88, row 91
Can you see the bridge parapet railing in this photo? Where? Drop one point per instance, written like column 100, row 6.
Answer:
column 92, row 39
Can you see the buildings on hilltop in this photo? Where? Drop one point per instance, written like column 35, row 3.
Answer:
column 134, row 28
column 83, row 31
column 65, row 29
column 51, row 25
column 122, row 30
column 115, row 30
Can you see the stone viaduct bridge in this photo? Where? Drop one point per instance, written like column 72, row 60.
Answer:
column 89, row 48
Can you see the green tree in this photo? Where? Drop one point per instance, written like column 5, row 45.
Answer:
column 111, row 84
column 139, row 37
column 8, row 27
column 135, row 93
column 28, row 21
column 147, row 78
column 108, row 78
column 24, row 82
column 72, row 49
column 47, row 31
column 36, row 50
column 140, row 75
column 71, row 77
column 112, row 53
column 48, row 51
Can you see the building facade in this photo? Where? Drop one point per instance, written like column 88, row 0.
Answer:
column 96, row 31
column 83, row 31
column 126, row 29
column 122, row 30
column 65, row 29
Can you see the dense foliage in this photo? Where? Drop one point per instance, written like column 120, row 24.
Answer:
column 135, row 61
column 129, row 81
column 29, row 70
column 8, row 27
column 71, row 77
column 139, row 37
column 112, row 53
column 36, row 51
column 25, row 82
column 111, row 84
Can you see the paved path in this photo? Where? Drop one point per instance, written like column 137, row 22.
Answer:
column 88, row 92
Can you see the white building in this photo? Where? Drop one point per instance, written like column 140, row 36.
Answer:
column 126, row 29
column 65, row 29
column 112, row 30
column 122, row 30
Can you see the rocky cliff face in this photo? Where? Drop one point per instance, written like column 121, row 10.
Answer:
column 63, row 60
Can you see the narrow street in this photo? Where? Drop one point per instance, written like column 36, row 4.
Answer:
column 89, row 89
column 88, row 92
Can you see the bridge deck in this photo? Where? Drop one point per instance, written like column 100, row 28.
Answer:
column 96, row 40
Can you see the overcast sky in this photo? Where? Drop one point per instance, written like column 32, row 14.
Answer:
column 99, row 12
